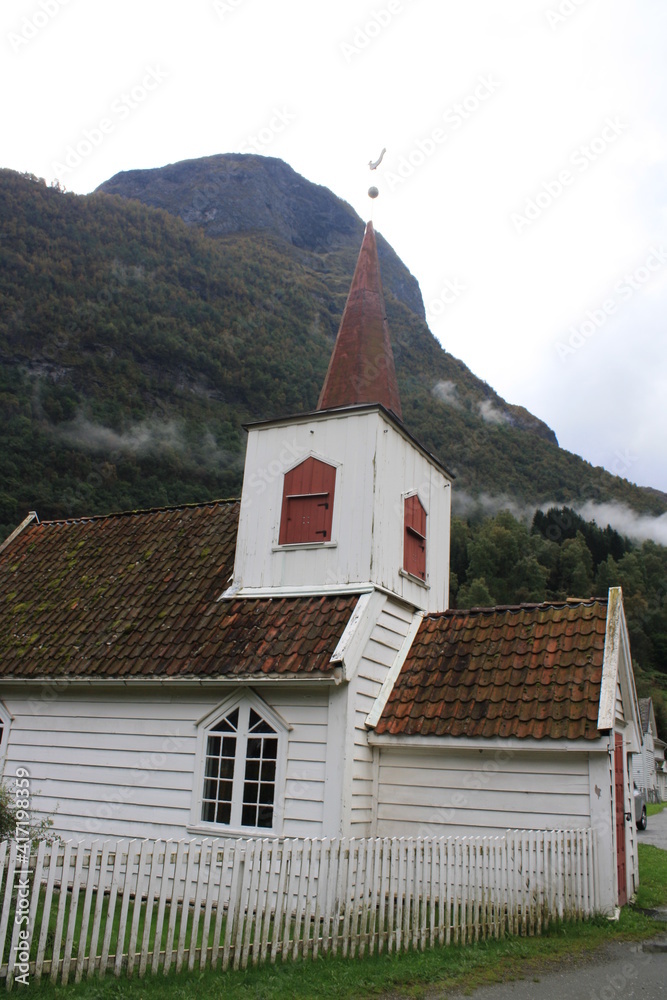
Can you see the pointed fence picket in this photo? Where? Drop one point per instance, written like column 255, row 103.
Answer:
column 134, row 906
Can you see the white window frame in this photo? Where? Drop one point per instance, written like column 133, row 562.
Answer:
column 244, row 700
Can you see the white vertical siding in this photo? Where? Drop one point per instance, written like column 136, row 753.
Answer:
column 643, row 765
column 379, row 654
column 601, row 797
column 376, row 466
column 620, row 711
column 449, row 792
column 402, row 468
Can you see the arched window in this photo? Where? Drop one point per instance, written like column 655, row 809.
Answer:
column 240, row 767
column 414, row 542
column 308, row 498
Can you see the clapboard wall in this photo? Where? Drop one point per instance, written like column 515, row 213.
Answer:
column 119, row 762
column 448, row 791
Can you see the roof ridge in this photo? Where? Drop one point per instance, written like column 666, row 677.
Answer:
column 143, row 510
column 528, row 606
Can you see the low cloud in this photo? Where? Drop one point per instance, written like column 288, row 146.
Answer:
column 447, row 392
column 139, row 439
column 484, row 505
column 491, row 414
column 629, row 523
column 152, row 436
column 639, row 527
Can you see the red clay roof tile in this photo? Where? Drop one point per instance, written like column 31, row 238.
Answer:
column 524, row 671
column 88, row 598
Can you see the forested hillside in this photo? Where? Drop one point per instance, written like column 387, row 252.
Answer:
column 504, row 561
column 134, row 346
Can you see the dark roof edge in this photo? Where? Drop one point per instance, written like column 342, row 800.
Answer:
column 570, row 602
column 32, row 516
column 145, row 510
column 355, row 408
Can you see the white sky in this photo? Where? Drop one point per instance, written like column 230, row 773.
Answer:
column 543, row 87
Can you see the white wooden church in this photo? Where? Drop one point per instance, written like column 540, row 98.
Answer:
column 288, row 665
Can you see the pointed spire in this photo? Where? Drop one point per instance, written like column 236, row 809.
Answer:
column 361, row 369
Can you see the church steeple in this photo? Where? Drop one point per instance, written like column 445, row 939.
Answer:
column 361, row 369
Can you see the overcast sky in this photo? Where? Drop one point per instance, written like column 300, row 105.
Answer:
column 524, row 183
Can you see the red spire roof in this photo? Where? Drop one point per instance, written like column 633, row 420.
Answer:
column 361, row 369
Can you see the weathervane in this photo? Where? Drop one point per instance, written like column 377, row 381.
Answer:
column 374, row 164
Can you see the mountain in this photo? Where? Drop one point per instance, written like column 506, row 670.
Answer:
column 230, row 194
column 142, row 325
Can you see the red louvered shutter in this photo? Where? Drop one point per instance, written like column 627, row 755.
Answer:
column 308, row 498
column 414, row 544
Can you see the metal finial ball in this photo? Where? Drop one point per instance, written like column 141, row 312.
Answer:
column 373, row 192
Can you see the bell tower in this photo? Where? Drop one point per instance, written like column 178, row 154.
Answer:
column 344, row 498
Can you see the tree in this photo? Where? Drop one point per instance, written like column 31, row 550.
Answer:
column 576, row 567
column 37, row 829
column 475, row 595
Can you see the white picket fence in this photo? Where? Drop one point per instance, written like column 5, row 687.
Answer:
column 137, row 906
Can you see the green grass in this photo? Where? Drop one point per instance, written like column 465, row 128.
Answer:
column 653, row 808
column 652, row 890
column 410, row 974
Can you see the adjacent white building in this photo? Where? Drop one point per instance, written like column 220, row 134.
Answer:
column 648, row 766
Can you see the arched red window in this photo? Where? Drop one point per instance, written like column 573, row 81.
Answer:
column 308, row 497
column 414, row 543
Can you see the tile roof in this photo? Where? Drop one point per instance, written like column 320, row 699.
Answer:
column 136, row 595
column 526, row 671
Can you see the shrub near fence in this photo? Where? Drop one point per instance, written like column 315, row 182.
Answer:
column 130, row 907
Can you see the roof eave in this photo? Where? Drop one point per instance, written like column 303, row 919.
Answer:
column 49, row 684
column 343, row 411
column 498, row 744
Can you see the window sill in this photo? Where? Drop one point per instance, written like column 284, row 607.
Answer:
column 236, row 833
column 304, row 545
column 414, row 579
